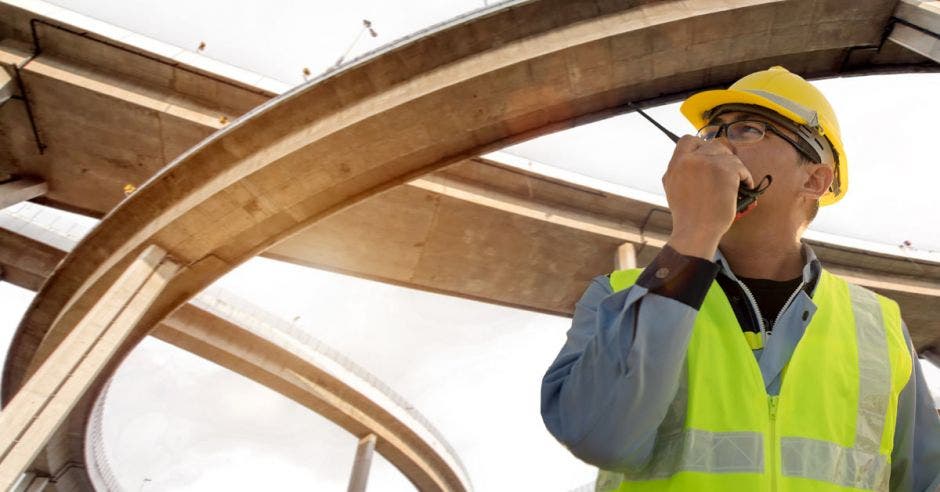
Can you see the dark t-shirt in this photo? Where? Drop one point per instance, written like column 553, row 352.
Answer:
column 771, row 295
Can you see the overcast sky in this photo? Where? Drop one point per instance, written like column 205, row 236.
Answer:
column 176, row 422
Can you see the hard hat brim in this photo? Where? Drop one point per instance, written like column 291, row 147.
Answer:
column 696, row 107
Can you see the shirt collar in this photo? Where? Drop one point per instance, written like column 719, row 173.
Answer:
column 812, row 268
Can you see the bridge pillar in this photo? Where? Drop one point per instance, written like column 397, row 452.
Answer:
column 626, row 257
column 362, row 464
column 31, row 482
column 6, row 86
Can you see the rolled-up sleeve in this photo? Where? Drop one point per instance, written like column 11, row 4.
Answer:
column 611, row 384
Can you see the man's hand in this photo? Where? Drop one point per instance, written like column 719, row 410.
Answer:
column 701, row 185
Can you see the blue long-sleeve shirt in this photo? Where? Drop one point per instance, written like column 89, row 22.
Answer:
column 609, row 388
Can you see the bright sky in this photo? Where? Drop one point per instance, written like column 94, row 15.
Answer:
column 176, row 422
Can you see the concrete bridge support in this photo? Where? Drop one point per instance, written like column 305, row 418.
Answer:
column 918, row 27
column 626, row 257
column 31, row 482
column 362, row 464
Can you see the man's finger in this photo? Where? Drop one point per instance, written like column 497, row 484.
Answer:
column 745, row 176
column 688, row 143
column 714, row 147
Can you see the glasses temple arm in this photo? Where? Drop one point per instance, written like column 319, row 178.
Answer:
column 798, row 145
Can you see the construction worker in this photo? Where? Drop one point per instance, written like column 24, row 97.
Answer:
column 734, row 361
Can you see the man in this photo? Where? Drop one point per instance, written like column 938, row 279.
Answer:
column 734, row 362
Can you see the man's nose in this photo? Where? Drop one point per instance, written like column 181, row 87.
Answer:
column 722, row 138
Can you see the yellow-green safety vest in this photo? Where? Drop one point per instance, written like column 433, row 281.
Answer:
column 830, row 429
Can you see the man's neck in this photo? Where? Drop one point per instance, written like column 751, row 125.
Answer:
column 763, row 257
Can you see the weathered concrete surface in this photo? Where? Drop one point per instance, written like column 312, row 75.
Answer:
column 6, row 86
column 514, row 233
column 526, row 70
column 19, row 190
column 501, row 221
column 109, row 114
column 478, row 85
column 279, row 362
column 362, row 464
column 125, row 92
column 46, row 400
column 25, row 262
column 919, row 30
column 918, row 27
column 923, row 14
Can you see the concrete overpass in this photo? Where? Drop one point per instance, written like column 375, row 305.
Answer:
column 229, row 331
column 390, row 142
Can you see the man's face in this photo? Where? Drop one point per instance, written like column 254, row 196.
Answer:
column 771, row 155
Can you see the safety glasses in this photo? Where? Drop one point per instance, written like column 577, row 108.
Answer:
column 753, row 131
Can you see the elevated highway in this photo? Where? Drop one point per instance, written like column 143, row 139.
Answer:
column 390, row 143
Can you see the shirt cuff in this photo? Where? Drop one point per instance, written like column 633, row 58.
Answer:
column 680, row 277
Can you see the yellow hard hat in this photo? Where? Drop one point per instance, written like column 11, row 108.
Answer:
column 788, row 95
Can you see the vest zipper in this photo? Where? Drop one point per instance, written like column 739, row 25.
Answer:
column 774, row 400
column 760, row 319
column 772, row 465
column 787, row 304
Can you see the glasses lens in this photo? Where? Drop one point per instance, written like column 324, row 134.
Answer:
column 708, row 133
column 746, row 131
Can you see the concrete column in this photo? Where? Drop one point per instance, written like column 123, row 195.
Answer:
column 362, row 464
column 6, row 85
column 49, row 395
column 20, row 190
column 626, row 257
column 38, row 484
column 31, row 482
column 919, row 29
column 917, row 41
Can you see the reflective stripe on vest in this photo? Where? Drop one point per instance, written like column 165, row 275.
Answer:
column 685, row 457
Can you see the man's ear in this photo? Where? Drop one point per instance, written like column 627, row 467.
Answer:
column 817, row 179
